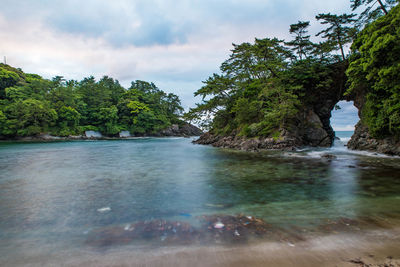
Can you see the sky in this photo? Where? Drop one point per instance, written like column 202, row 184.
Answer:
column 176, row 44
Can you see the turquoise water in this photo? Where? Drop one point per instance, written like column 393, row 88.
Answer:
column 54, row 195
column 344, row 135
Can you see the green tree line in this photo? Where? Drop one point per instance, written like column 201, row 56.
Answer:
column 31, row 105
column 263, row 85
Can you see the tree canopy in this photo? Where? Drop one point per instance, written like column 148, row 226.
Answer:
column 30, row 105
column 340, row 30
column 373, row 9
column 375, row 70
column 263, row 86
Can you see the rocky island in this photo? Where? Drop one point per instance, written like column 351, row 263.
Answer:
column 269, row 98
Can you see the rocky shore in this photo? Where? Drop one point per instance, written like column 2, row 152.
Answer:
column 362, row 140
column 185, row 130
column 311, row 127
column 181, row 130
column 307, row 129
column 247, row 144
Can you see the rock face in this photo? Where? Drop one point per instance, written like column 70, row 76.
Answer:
column 362, row 140
column 309, row 130
column 183, row 130
column 311, row 126
column 248, row 144
column 306, row 130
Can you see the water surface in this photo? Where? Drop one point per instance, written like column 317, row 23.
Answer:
column 53, row 196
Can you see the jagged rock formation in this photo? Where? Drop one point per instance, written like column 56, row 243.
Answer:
column 362, row 140
column 181, row 130
column 311, row 127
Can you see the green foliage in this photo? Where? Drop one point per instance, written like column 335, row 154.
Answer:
column 254, row 95
column 373, row 9
column 339, row 32
column 30, row 105
column 301, row 44
column 68, row 121
column 29, row 117
column 7, row 79
column 375, row 69
column 263, row 85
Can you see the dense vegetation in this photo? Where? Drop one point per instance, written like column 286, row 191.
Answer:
column 263, row 85
column 375, row 69
column 30, row 105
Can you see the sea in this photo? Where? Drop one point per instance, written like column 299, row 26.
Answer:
column 76, row 202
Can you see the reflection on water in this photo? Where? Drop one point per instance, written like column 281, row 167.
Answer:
column 61, row 193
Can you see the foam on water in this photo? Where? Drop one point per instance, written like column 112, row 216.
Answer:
column 339, row 148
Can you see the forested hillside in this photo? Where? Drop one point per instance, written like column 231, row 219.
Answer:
column 30, row 105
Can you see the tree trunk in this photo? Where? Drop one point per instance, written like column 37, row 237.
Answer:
column 382, row 7
column 341, row 48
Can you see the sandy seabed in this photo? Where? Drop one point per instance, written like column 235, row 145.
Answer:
column 371, row 248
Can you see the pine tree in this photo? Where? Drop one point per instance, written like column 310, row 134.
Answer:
column 338, row 31
column 301, row 44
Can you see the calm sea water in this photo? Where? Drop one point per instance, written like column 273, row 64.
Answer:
column 54, row 195
column 344, row 135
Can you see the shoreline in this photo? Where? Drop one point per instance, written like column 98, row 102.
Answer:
column 258, row 144
column 84, row 138
column 373, row 248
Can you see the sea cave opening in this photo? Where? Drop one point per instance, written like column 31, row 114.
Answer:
column 344, row 117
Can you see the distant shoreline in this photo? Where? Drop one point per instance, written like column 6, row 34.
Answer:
column 82, row 138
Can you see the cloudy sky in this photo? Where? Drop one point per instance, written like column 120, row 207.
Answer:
column 174, row 43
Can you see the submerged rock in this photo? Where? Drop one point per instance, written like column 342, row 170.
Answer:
column 228, row 228
column 328, row 156
column 213, row 229
column 175, row 232
column 222, row 229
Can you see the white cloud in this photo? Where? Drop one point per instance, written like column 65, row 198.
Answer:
column 77, row 39
column 344, row 128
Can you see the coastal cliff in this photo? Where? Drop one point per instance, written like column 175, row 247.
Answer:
column 309, row 126
column 362, row 139
column 279, row 100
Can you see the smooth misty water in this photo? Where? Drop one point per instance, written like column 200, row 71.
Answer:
column 344, row 135
column 52, row 195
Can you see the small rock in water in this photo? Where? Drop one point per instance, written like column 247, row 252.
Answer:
column 291, row 245
column 104, row 209
column 219, row 225
column 128, row 227
column 328, row 156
